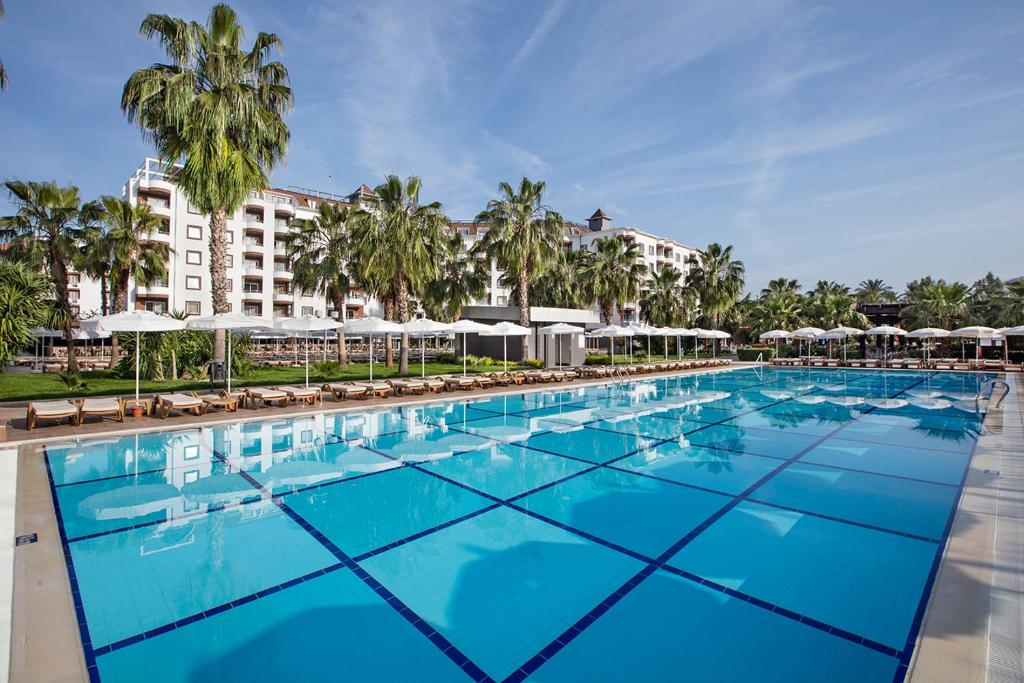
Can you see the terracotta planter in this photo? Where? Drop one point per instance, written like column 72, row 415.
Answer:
column 137, row 411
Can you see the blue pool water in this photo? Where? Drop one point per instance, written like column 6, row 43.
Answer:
column 769, row 525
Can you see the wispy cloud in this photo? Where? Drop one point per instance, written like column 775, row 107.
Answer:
column 533, row 41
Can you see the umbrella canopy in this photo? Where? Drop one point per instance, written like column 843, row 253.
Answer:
column 561, row 328
column 928, row 333
column 83, row 335
column 612, row 331
column 370, row 326
column 1012, row 331
column 91, row 323
column 847, row 331
column 776, row 334
column 228, row 321
column 138, row 322
column 45, row 333
column 506, row 330
column 424, row 327
column 306, row 324
column 887, row 330
column 464, row 327
column 807, row 333
column 975, row 332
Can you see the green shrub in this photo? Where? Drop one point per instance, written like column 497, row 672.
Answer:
column 325, row 369
column 534, row 362
column 72, row 381
column 445, row 358
column 599, row 359
column 751, row 354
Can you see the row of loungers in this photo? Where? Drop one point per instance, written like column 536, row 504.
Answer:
column 902, row 363
column 257, row 397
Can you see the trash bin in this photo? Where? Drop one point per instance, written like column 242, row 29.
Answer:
column 216, row 372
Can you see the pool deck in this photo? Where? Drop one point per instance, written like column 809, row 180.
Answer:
column 967, row 629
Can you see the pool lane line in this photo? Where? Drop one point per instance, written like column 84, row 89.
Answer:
column 446, row 647
column 907, row 653
column 76, row 595
column 555, row 646
column 215, row 610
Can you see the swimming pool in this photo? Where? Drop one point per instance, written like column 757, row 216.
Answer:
column 765, row 524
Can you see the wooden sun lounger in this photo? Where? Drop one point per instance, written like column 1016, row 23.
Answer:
column 51, row 410
column 482, row 382
column 165, row 403
column 404, row 386
column 105, row 405
column 345, row 390
column 434, row 385
column 457, row 383
column 308, row 395
column 379, row 389
column 260, row 396
column 501, row 379
column 539, row 376
column 228, row 403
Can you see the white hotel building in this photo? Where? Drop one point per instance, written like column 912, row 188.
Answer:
column 259, row 272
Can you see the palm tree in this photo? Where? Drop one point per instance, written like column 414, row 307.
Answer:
column 46, row 230
column 936, row 303
column 219, row 108
column 874, row 291
column 395, row 241
column 1010, row 308
column 717, row 279
column 666, row 302
column 782, row 311
column 831, row 304
column 132, row 255
column 986, row 295
column 614, row 271
column 3, row 71
column 94, row 261
column 461, row 279
column 781, row 285
column 562, row 285
column 26, row 301
column 524, row 238
column 321, row 250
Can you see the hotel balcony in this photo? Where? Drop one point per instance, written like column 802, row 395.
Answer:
column 251, row 246
column 158, row 205
column 253, row 269
column 280, row 249
column 283, row 209
column 154, row 289
column 281, row 227
column 252, row 221
column 355, row 300
column 282, row 273
column 283, row 297
column 158, row 236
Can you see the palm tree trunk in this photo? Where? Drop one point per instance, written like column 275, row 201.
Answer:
column 403, row 316
column 389, row 354
column 218, row 274
column 606, row 312
column 120, row 304
column 524, row 309
column 174, row 364
column 104, row 298
column 339, row 306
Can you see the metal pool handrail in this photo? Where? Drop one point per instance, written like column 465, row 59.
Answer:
column 991, row 386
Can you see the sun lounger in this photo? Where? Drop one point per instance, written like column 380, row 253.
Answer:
column 539, row 376
column 345, row 390
column 500, row 378
column 404, row 386
column 457, row 383
column 379, row 389
column 260, row 396
column 482, row 382
column 228, row 403
column 165, row 403
column 106, row 405
column 308, row 395
column 51, row 410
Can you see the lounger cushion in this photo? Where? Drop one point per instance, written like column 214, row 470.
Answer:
column 44, row 408
column 180, row 400
column 100, row 405
column 267, row 393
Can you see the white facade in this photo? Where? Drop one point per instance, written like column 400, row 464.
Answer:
column 259, row 273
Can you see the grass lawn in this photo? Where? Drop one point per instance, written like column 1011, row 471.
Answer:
column 20, row 387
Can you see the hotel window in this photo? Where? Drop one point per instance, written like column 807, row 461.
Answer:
column 194, row 258
column 231, row 236
column 192, row 209
column 192, row 307
column 193, row 282
column 191, row 452
column 230, row 260
column 74, row 279
column 156, row 306
column 307, row 310
column 502, row 300
column 229, row 285
column 194, row 232
column 650, row 250
column 73, row 297
column 677, row 258
column 75, row 310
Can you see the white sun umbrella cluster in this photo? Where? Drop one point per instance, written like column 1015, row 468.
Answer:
column 370, row 326
column 425, row 327
column 557, row 330
column 776, row 335
column 973, row 332
column 679, row 333
column 665, row 332
column 886, row 331
column 139, row 322
column 841, row 332
column 645, row 330
column 228, row 322
column 465, row 327
column 928, row 333
column 506, row 330
column 306, row 324
column 1017, row 331
column 711, row 334
column 611, row 332
column 806, row 333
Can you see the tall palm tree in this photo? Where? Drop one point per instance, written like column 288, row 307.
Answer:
column 936, row 303
column 26, row 301
column 218, row 108
column 3, row 71
column 46, row 230
column 874, row 291
column 395, row 240
column 781, row 285
column 986, row 295
column 831, row 304
column 614, row 271
column 132, row 255
column 561, row 285
column 718, row 280
column 320, row 249
column 461, row 279
column 1010, row 308
column 524, row 238
column 666, row 300
column 93, row 260
column 782, row 311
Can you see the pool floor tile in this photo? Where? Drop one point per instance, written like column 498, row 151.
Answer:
column 502, row 585
column 648, row 426
column 639, row 513
column 864, row 581
column 589, row 444
column 364, row 514
column 134, row 581
column 710, row 468
column 670, row 628
column 884, row 458
column 505, row 471
column 328, row 628
column 776, row 443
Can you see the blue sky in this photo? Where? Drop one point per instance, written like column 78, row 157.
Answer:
column 824, row 140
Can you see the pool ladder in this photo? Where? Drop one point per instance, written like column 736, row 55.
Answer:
column 991, row 386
